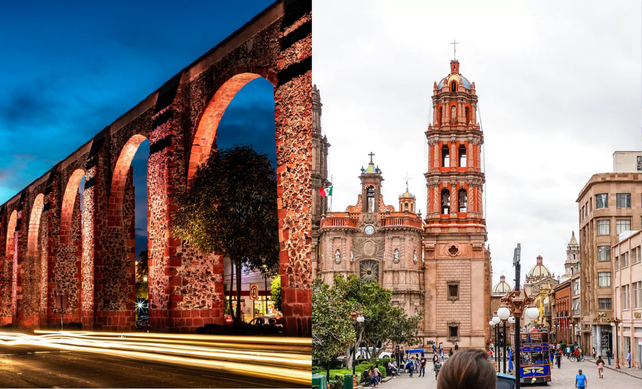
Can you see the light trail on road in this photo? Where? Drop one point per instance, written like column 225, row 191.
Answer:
column 259, row 356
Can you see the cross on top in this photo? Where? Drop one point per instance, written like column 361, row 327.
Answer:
column 371, row 155
column 454, row 43
column 407, row 178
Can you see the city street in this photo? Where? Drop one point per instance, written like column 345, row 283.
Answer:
column 151, row 360
column 562, row 378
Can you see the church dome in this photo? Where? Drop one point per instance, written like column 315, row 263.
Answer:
column 502, row 286
column 407, row 195
column 539, row 270
column 456, row 77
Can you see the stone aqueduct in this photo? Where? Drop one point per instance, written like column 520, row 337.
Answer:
column 50, row 248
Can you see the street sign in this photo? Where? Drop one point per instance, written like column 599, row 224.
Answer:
column 62, row 302
column 254, row 292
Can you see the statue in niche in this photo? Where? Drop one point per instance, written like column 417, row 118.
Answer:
column 370, row 204
column 396, row 256
column 453, row 113
column 351, row 256
column 414, row 256
column 337, row 256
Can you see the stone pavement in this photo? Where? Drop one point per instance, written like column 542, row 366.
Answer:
column 561, row 378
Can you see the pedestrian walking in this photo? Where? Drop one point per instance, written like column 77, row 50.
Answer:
column 442, row 354
column 594, row 352
column 456, row 347
column 436, row 368
column 580, row 380
column 422, row 366
column 450, row 353
column 434, row 348
column 628, row 358
column 558, row 358
column 609, row 355
column 600, row 367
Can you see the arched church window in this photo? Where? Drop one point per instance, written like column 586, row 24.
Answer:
column 453, row 87
column 463, row 200
column 445, row 156
column 370, row 195
column 441, row 114
column 467, row 111
column 406, row 206
column 445, row 202
column 462, row 156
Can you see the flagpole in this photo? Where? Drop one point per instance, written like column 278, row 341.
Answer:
column 332, row 181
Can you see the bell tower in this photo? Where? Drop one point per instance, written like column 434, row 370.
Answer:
column 457, row 271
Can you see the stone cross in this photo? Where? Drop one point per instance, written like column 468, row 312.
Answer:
column 454, row 43
column 371, row 155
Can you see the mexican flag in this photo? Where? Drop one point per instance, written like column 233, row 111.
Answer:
column 325, row 192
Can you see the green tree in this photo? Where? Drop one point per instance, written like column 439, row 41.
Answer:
column 231, row 209
column 276, row 292
column 332, row 325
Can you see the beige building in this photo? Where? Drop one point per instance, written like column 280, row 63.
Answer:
column 627, row 161
column 627, row 277
column 608, row 205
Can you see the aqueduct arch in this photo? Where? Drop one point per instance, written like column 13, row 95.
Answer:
column 180, row 120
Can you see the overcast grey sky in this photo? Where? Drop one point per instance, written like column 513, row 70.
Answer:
column 559, row 87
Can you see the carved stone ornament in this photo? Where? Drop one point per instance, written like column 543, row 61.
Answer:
column 453, row 250
column 337, row 256
column 351, row 256
column 396, row 258
column 414, row 256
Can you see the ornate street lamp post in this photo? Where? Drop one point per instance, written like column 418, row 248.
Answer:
column 518, row 302
column 496, row 321
column 504, row 313
column 615, row 324
column 358, row 317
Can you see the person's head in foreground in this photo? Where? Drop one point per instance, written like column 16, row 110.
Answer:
column 467, row 369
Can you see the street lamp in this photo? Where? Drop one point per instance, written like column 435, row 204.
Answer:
column 504, row 313
column 358, row 316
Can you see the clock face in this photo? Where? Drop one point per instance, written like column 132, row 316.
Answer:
column 369, row 230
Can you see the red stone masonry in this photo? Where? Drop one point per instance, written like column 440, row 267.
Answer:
column 54, row 249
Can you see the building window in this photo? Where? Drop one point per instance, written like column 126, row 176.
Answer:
column 601, row 201
column 467, row 115
column 591, row 204
column 603, row 227
column 617, row 263
column 445, row 156
column 462, row 155
column 634, row 295
column 453, row 331
column 453, row 87
column 453, row 290
column 623, row 200
column 445, row 202
column 405, row 206
column 463, row 200
column 635, row 256
column 625, row 297
column 604, row 279
column 622, row 225
column 603, row 253
column 576, row 306
column 576, row 287
column 441, row 114
column 604, row 304
column 624, row 260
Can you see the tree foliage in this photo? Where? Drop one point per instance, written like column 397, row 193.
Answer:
column 332, row 326
column 231, row 209
column 276, row 292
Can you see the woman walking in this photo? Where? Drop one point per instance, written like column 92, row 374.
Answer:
column 600, row 367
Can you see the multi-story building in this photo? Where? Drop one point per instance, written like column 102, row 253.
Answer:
column 561, row 304
column 627, row 277
column 608, row 205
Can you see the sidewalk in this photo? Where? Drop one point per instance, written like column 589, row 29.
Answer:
column 624, row 368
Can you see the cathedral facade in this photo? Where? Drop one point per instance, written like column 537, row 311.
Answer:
column 438, row 265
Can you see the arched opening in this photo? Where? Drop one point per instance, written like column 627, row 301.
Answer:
column 462, row 198
column 370, row 198
column 445, row 202
column 441, row 114
column 11, row 230
column 462, row 156
column 34, row 225
column 139, row 178
column 406, row 207
column 445, row 156
column 241, row 112
column 119, row 268
column 467, row 113
column 453, row 86
column 207, row 129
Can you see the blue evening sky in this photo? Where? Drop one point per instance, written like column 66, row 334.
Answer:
column 68, row 69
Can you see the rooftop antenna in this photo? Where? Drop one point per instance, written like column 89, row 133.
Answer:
column 454, row 43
